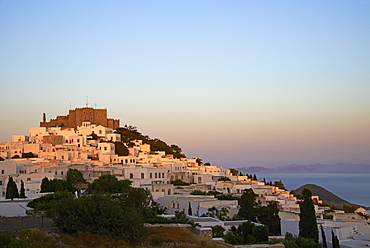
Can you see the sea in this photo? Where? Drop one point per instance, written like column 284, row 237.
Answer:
column 352, row 187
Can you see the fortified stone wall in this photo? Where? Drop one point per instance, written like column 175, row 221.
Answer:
column 79, row 115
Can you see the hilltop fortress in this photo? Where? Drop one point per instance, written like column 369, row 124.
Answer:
column 77, row 116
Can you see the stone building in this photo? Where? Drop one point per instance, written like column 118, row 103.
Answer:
column 77, row 116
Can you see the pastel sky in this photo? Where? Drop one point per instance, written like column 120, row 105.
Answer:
column 237, row 83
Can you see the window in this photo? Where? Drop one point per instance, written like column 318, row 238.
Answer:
column 199, row 180
column 151, row 175
column 1, row 182
column 162, row 175
column 28, row 179
column 131, row 175
column 142, row 175
column 155, row 175
column 2, row 171
column 169, row 192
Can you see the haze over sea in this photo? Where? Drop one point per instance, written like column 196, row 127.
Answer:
column 352, row 187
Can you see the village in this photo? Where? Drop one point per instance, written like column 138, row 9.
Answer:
column 85, row 140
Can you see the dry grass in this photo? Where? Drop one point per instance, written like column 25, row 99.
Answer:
column 84, row 239
column 158, row 237
column 180, row 238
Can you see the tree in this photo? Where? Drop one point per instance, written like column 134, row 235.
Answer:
column 260, row 233
column 349, row 209
column 217, row 231
column 28, row 155
column 234, row 172
column 179, row 182
column 190, row 211
column 153, row 211
column 248, row 205
column 109, row 184
column 246, row 231
column 121, row 149
column 224, row 179
column 46, row 185
column 75, row 176
column 324, row 245
column 335, row 240
column 307, row 223
column 299, row 242
column 296, row 194
column 219, row 214
column 269, row 215
column 46, row 202
column 94, row 136
column 22, row 193
column 11, row 189
column 280, row 185
column 100, row 214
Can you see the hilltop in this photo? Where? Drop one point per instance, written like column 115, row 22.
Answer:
column 326, row 196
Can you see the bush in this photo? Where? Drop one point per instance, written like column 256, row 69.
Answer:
column 156, row 240
column 100, row 214
column 179, row 182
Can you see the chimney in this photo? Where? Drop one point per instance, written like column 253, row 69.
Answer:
column 44, row 117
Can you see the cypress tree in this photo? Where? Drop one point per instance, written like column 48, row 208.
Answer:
column 22, row 193
column 190, row 211
column 11, row 189
column 324, row 245
column 307, row 223
column 334, row 240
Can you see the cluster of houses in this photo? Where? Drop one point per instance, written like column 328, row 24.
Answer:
column 90, row 148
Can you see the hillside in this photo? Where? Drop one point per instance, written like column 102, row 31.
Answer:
column 130, row 133
column 326, row 196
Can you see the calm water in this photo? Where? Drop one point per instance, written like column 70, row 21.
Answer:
column 354, row 188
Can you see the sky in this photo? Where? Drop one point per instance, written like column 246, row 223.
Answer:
column 236, row 83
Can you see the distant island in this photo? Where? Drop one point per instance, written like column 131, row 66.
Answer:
column 339, row 167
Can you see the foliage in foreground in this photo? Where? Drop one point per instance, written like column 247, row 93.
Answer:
column 169, row 237
column 247, row 233
column 101, row 214
column 299, row 242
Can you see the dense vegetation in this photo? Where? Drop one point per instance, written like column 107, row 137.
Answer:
column 130, row 133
